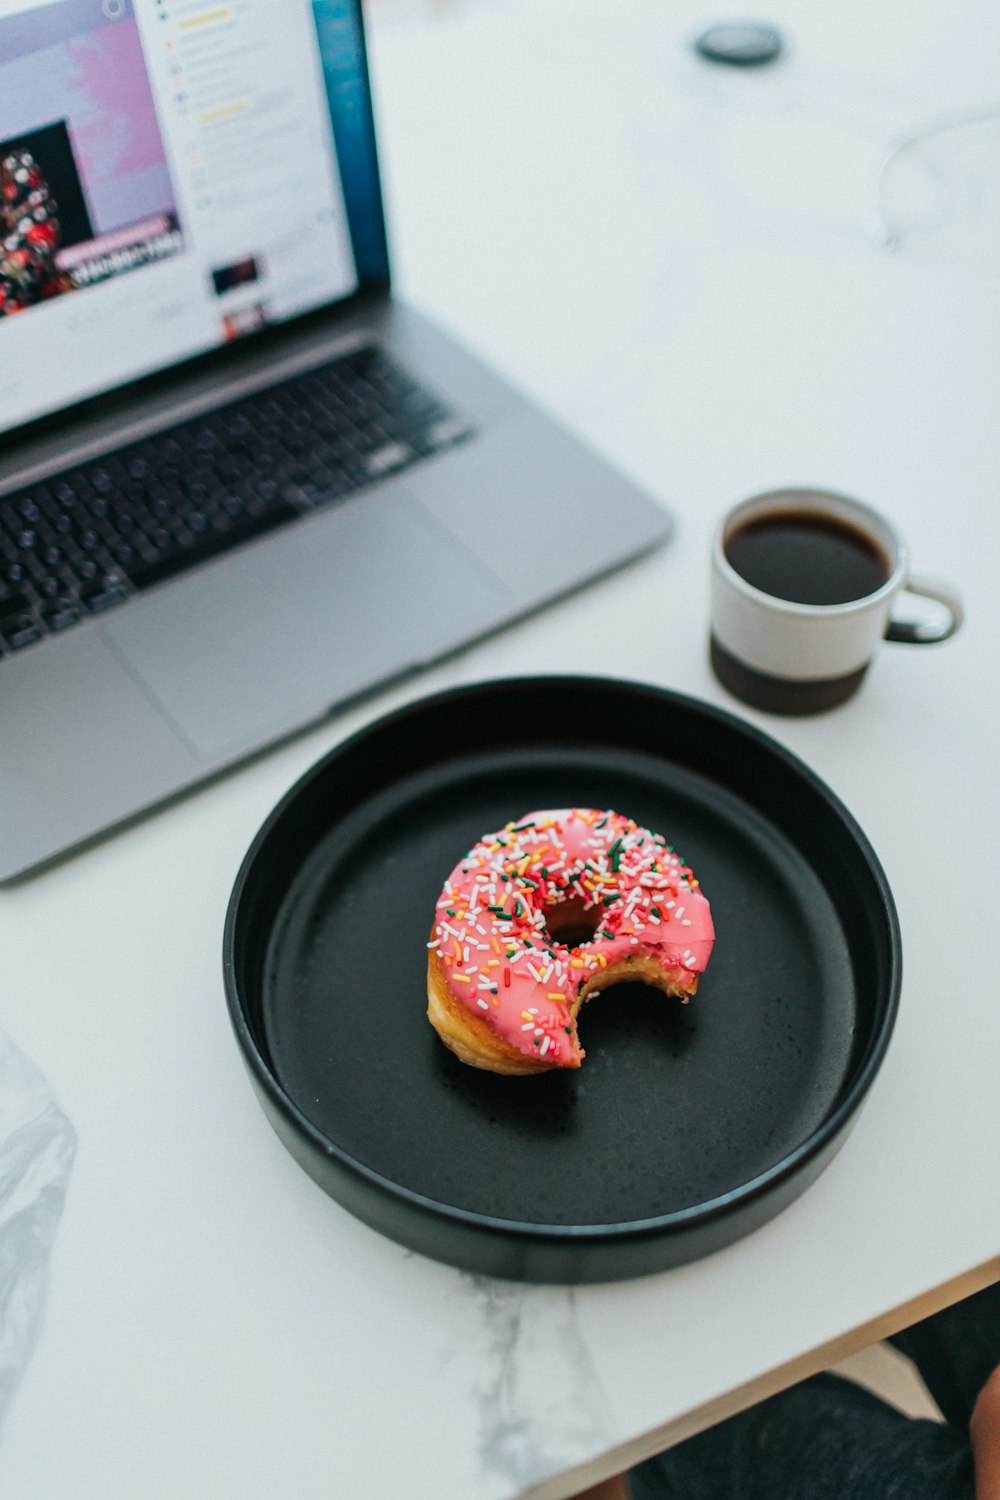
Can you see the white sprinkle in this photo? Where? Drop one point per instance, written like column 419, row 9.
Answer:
column 436, row 943
column 680, row 911
column 686, row 922
column 532, row 1010
column 483, row 1004
column 528, row 1026
column 544, row 1047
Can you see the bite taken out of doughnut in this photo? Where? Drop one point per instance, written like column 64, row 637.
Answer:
column 543, row 915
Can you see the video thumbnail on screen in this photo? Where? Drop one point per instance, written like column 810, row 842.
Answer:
column 85, row 188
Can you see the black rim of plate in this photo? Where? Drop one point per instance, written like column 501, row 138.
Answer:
column 805, row 1160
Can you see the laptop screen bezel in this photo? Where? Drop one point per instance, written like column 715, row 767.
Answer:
column 156, row 383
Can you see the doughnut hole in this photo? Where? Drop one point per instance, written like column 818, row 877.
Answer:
column 569, row 923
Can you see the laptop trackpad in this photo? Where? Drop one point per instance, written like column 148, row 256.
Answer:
column 278, row 632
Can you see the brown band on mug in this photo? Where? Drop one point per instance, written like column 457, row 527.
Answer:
column 781, row 695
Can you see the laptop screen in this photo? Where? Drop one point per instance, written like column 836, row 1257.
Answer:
column 174, row 175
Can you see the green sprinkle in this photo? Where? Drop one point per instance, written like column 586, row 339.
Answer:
column 532, row 883
column 654, row 912
column 607, row 900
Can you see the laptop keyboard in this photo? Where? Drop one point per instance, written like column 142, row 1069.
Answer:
column 85, row 540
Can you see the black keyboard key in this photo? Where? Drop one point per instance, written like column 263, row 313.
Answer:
column 102, row 595
column 18, row 631
column 61, row 614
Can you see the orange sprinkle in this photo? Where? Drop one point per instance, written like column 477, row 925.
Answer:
column 457, row 950
column 496, row 946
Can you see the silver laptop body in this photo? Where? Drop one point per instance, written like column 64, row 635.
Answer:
column 129, row 707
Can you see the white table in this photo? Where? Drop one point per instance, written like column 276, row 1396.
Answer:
column 681, row 262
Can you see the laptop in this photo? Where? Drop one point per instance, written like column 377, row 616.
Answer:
column 240, row 483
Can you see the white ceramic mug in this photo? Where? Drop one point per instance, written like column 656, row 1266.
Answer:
column 792, row 657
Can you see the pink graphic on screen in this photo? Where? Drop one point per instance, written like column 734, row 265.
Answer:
column 114, row 128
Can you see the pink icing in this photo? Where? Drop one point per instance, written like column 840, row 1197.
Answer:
column 490, row 921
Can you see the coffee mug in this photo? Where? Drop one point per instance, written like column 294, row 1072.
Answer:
column 803, row 586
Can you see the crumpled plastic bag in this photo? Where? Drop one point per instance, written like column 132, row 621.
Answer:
column 37, row 1146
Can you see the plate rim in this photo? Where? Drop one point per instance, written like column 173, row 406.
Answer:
column 676, row 1221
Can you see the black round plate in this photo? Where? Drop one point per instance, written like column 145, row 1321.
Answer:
column 687, row 1126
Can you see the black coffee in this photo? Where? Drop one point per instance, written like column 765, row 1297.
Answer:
column 807, row 559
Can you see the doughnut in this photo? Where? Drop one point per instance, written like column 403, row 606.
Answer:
column 548, row 912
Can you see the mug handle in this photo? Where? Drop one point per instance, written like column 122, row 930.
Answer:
column 922, row 632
